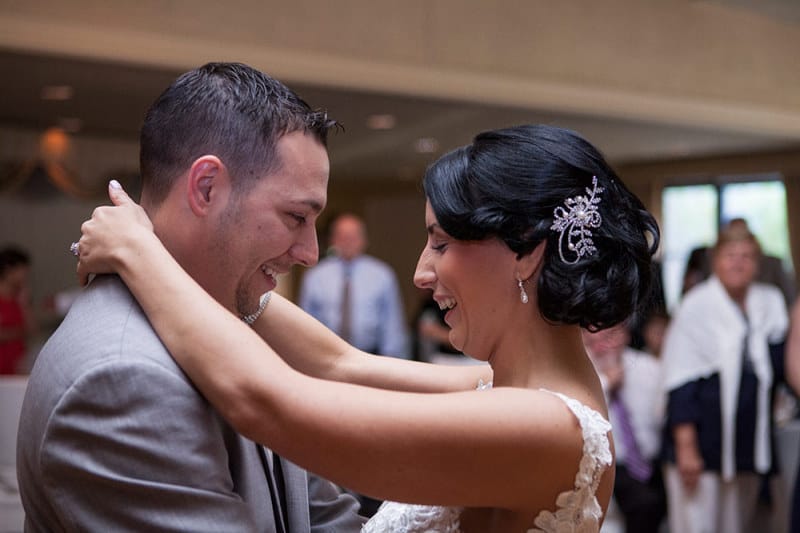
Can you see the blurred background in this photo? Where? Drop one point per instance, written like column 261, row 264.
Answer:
column 695, row 102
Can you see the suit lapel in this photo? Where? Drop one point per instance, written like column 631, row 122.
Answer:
column 297, row 507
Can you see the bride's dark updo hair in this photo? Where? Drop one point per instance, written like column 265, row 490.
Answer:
column 508, row 183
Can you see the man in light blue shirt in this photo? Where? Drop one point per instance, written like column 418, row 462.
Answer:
column 356, row 295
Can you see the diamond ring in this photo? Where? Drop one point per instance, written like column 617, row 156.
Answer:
column 73, row 249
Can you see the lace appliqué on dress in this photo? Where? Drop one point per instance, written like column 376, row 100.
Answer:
column 406, row 518
column 578, row 510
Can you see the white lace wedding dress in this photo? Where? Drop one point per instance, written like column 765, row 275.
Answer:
column 576, row 510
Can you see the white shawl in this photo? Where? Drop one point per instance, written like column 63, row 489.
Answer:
column 707, row 335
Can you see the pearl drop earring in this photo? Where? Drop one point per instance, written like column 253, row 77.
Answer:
column 523, row 296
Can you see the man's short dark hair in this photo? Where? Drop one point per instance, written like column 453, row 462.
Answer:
column 229, row 110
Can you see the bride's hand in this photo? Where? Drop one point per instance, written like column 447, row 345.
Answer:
column 111, row 234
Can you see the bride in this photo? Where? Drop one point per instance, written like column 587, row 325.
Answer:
column 531, row 237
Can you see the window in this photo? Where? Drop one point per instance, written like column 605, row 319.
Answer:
column 693, row 214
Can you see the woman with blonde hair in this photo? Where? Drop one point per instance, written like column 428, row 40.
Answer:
column 719, row 363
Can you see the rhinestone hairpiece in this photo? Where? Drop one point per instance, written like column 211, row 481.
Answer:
column 575, row 219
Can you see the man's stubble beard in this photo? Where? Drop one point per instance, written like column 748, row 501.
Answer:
column 227, row 260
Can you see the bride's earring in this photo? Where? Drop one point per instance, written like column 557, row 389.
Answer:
column 523, row 296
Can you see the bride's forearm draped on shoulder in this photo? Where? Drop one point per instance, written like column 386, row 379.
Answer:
column 310, row 347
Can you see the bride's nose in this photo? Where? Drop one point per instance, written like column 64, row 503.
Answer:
column 424, row 276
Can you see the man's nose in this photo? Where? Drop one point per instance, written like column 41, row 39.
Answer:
column 306, row 250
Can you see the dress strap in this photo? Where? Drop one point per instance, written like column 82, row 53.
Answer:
column 596, row 445
column 579, row 509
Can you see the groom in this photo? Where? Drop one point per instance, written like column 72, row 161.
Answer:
column 113, row 436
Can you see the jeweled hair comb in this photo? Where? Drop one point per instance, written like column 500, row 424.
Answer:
column 576, row 220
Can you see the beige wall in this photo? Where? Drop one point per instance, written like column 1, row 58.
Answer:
column 674, row 61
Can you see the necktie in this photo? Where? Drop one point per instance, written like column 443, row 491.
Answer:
column 345, row 327
column 277, row 490
column 280, row 486
column 638, row 467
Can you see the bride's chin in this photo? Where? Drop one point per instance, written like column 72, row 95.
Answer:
column 456, row 342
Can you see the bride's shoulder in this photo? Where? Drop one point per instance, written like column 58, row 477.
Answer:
column 554, row 407
column 557, row 428
column 566, row 441
column 583, row 435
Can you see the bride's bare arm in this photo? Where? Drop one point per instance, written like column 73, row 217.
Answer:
column 310, row 347
column 474, row 448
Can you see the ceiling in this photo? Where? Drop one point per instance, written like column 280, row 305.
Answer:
column 109, row 101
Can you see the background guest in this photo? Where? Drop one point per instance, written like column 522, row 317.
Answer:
column 653, row 332
column 16, row 316
column 356, row 295
column 631, row 380
column 719, row 372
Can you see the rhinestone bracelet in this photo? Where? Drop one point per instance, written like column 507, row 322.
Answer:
column 262, row 304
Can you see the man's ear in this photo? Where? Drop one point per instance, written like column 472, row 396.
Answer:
column 529, row 264
column 208, row 183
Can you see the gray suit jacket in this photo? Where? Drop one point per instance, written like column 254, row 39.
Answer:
column 114, row 437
